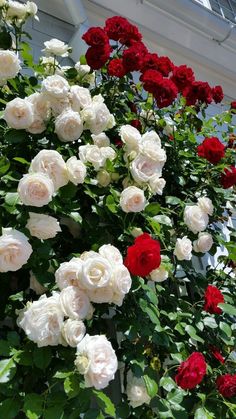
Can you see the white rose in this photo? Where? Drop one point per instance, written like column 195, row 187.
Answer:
column 75, row 303
column 15, row 250
column 42, row 226
column 92, row 154
column 143, row 168
column 101, row 295
column 40, row 104
column 195, row 219
column 107, row 153
column 88, row 255
column 97, row 117
column 206, row 205
column 170, row 127
column 96, row 359
column 68, row 126
column 76, row 170
column 96, row 272
column 35, row 285
column 19, row 113
column 204, row 243
column 42, row 321
column 183, row 249
column 152, row 150
column 69, row 273
column 16, row 10
column 9, row 64
column 37, row 126
column 103, row 178
column 35, row 189
column 136, row 391
column 51, row 163
column 131, row 137
column 121, row 279
column 132, row 199
column 56, row 86
column 101, row 140
column 2, row 3
column 56, row 47
column 136, row 231
column 151, row 136
column 111, row 253
column 58, row 106
column 79, row 97
column 31, row 8
column 159, row 275
column 157, row 184
column 82, row 69
column 73, row 332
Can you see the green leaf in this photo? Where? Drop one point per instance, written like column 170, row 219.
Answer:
column 227, row 308
column 192, row 333
column 110, row 204
column 93, row 414
column 5, row 39
column 202, row 413
column 9, row 408
column 105, row 403
column 163, row 219
column 14, row 136
column 210, row 322
column 4, row 165
column 33, row 406
column 226, row 329
column 151, row 385
column 54, row 412
column 7, row 370
column 153, row 208
column 4, row 348
column 72, row 386
column 172, row 200
column 12, row 199
column 167, row 383
column 42, row 357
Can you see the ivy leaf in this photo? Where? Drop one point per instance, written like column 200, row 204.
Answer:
column 105, row 403
column 33, row 405
column 151, row 385
column 7, row 370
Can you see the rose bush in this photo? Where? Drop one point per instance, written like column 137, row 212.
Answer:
column 115, row 261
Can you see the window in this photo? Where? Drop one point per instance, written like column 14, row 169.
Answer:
column 205, row 3
column 226, row 8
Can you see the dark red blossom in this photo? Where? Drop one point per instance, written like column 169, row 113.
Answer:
column 131, row 35
column 165, row 93
column 217, row 94
column 96, row 37
column 165, row 66
column 151, row 79
column 211, row 149
column 233, row 105
column 228, row 178
column 116, row 68
column 143, row 256
column 191, row 371
column 116, row 27
column 183, row 77
column 96, row 57
column 150, row 62
column 213, row 296
column 133, row 56
column 136, row 124
column 226, row 385
column 198, row 92
column 217, row 355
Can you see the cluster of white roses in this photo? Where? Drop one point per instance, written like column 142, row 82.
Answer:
column 72, row 107
column 47, row 173
column 196, row 217
column 99, row 277
column 14, row 12
column 145, row 158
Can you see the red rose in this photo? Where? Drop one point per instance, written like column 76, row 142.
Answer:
column 233, row 104
column 198, row 91
column 191, row 371
column 143, row 256
column 213, row 296
column 165, row 66
column 116, row 27
column 228, row 178
column 183, row 76
column 226, row 385
column 116, row 68
column 217, row 355
column 96, row 37
column 165, row 93
column 136, row 124
column 133, row 56
column 96, row 57
column 131, row 35
column 217, row 94
column 150, row 61
column 151, row 79
column 211, row 149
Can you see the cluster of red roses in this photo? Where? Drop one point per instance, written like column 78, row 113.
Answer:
column 192, row 371
column 159, row 74
column 213, row 150
column 142, row 258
